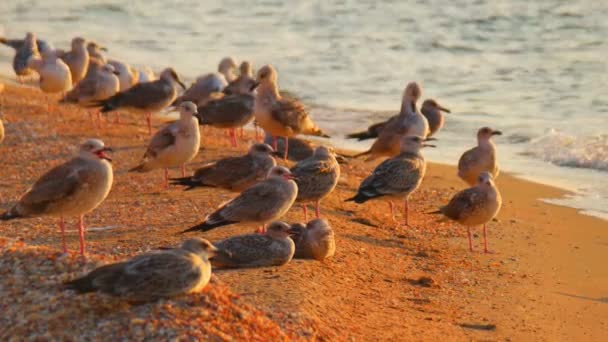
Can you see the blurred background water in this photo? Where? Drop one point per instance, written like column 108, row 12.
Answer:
column 537, row 70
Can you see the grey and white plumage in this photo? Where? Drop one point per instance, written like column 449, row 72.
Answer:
column 175, row 144
column 280, row 116
column 152, row 276
column 206, row 85
column 244, row 83
column 24, row 50
column 477, row 205
column 480, row 158
column 263, row 202
column 316, row 176
column 96, row 87
column 432, row 111
column 55, row 76
column 77, row 59
column 73, row 188
column 396, row 178
column 315, row 240
column 96, row 51
column 409, row 122
column 299, row 149
column 274, row 248
column 127, row 75
column 227, row 111
column 233, row 173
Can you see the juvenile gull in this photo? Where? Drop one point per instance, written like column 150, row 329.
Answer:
column 480, row 158
column 77, row 59
column 152, row 276
column 173, row 145
column 274, row 248
column 432, row 111
column 281, row 117
column 409, row 122
column 101, row 86
column 475, row 206
column 54, row 74
column 74, row 188
column 24, row 50
column 233, row 173
column 315, row 240
column 263, row 202
column 205, row 85
column 229, row 112
column 316, row 177
column 145, row 98
column 396, row 178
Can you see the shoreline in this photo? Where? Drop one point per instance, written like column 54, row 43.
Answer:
column 547, row 280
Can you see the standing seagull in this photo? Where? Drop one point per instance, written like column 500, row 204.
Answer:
column 315, row 240
column 233, row 173
column 76, row 188
column 316, row 177
column 205, row 85
column 54, row 74
column 174, row 145
column 474, row 206
column 409, row 122
column 480, row 158
column 151, row 276
column 77, row 59
column 146, row 98
column 281, row 117
column 274, row 248
column 264, row 202
column 24, row 50
column 396, row 178
column 432, row 111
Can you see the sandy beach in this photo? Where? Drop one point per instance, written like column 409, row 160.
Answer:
column 546, row 280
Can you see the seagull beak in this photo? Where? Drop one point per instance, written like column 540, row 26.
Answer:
column 443, row 109
column 428, row 145
column 102, row 155
column 115, row 72
column 103, row 48
column 181, row 84
column 496, row 133
column 254, row 85
column 290, row 177
column 430, row 139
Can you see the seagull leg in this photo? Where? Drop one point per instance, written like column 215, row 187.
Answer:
column 149, row 122
column 99, row 119
column 275, row 143
column 485, row 240
column 286, row 148
column 62, row 227
column 242, row 132
column 318, row 208
column 406, row 212
column 257, row 133
column 233, row 137
column 117, row 118
column 261, row 229
column 305, row 212
column 392, row 211
column 183, row 170
column 166, row 178
column 81, row 233
column 470, row 241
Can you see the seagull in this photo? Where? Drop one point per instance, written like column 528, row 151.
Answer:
column 316, row 177
column 263, row 202
column 208, row 84
column 95, row 51
column 54, row 74
column 299, row 149
column 174, row 145
column 228, row 111
column 409, row 122
column 147, row 97
column 480, row 158
column 77, row 59
column 76, row 188
column 315, row 240
column 233, row 173
column 279, row 116
column 127, row 75
column 274, row 248
column 474, row 206
column 244, row 82
column 396, row 178
column 152, row 276
column 432, row 111
column 24, row 50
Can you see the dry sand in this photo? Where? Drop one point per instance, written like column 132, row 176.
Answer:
column 546, row 281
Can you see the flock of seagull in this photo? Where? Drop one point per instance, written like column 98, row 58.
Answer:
column 266, row 191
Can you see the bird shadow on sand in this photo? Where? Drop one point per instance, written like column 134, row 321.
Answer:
column 598, row 300
column 387, row 243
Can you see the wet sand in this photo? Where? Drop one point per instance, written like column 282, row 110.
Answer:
column 546, row 280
